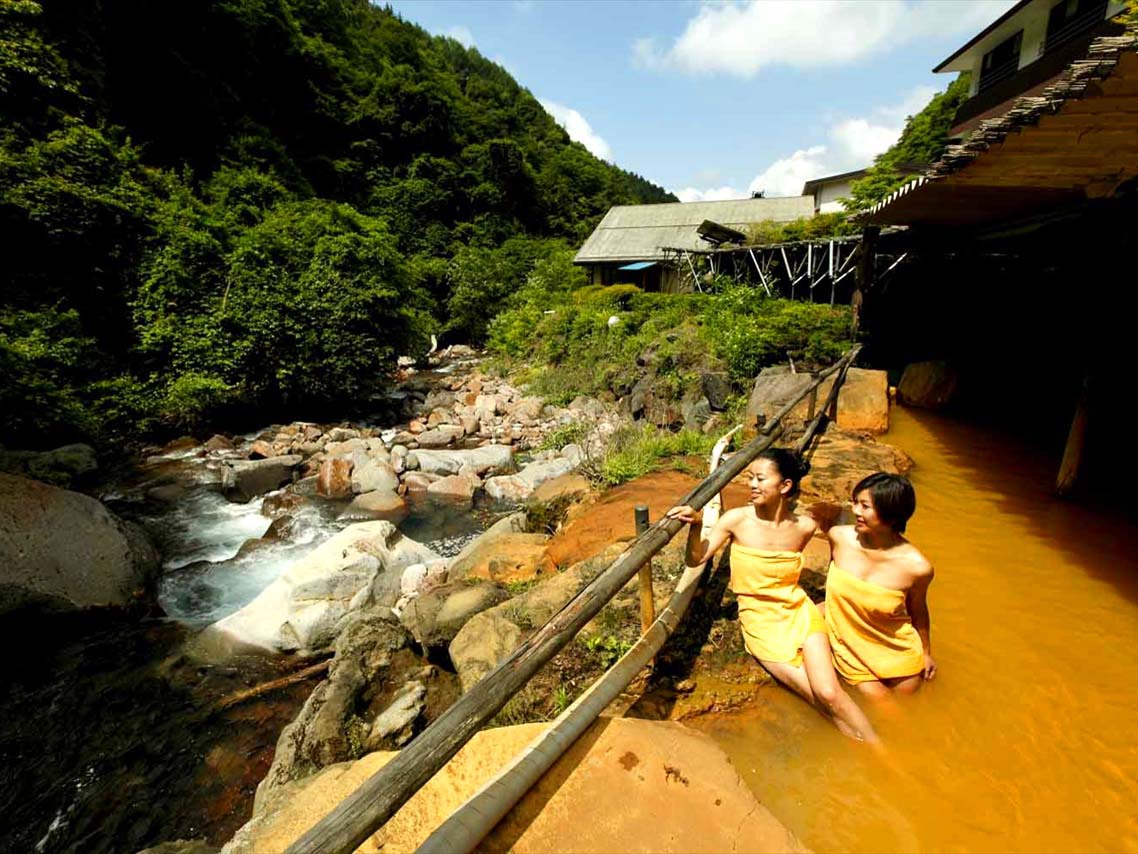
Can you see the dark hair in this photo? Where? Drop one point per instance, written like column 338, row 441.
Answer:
column 788, row 465
column 893, row 498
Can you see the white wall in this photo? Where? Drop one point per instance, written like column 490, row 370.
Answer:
column 826, row 196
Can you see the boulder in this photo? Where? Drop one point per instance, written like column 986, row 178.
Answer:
column 863, row 401
column 930, row 385
column 516, row 488
column 334, row 478
column 477, row 460
column 771, row 392
column 261, row 450
column 435, row 439
column 305, row 607
column 61, row 549
column 372, row 474
column 840, row 460
column 502, row 557
column 395, row 725
column 218, row 443
column 569, row 485
column 490, row 636
column 418, row 578
column 687, row 796
column 346, row 448
column 527, row 409
column 455, row 489
column 384, row 504
column 465, row 560
column 60, row 466
column 328, row 728
column 716, row 389
column 433, row 618
column 244, row 480
column 589, row 407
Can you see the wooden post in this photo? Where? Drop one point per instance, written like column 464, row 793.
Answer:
column 866, row 264
column 647, row 606
column 1073, row 452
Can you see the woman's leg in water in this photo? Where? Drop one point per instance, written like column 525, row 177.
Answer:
column 828, row 693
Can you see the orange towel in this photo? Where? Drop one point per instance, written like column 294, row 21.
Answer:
column 871, row 633
column 775, row 614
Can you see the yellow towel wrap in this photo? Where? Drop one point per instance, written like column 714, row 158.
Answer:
column 775, row 614
column 871, row 633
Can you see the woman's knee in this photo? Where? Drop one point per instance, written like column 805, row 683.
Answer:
column 828, row 693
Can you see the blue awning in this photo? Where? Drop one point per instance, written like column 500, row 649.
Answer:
column 638, row 265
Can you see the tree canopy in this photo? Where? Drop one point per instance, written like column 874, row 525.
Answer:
column 254, row 205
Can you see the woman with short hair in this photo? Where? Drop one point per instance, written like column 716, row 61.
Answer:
column 876, row 609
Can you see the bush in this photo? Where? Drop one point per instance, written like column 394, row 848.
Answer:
column 635, row 451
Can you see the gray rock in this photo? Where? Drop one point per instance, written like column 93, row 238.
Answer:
column 513, row 489
column 931, row 385
column 244, row 480
column 478, row 460
column 437, row 438
column 435, row 617
column 488, row 637
column 717, row 391
column 394, row 726
column 383, row 504
column 772, row 391
column 328, row 729
column 61, row 549
column 372, row 475
column 60, row 466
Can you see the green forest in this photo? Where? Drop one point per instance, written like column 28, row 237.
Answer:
column 218, row 209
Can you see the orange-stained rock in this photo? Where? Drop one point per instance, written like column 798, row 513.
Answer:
column 334, row 480
column 625, row 785
column 863, row 401
column 590, row 526
column 566, row 485
column 504, row 557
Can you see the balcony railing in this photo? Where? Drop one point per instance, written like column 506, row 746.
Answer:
column 1000, row 72
column 1075, row 27
column 999, row 91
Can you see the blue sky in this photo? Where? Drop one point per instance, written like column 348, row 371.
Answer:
column 715, row 99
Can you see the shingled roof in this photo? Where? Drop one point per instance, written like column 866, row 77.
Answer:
column 1077, row 139
column 642, row 232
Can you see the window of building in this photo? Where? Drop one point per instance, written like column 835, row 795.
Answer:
column 1069, row 19
column 1001, row 61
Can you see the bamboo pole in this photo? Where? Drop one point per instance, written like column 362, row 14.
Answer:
column 379, row 797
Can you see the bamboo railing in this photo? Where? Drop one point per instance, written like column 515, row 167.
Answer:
column 378, row 798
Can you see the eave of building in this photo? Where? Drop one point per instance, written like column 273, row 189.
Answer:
column 1004, row 26
column 1076, row 140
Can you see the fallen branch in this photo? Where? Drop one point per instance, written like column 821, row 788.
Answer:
column 268, row 687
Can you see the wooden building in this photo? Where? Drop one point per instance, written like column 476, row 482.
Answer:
column 637, row 244
column 1019, row 271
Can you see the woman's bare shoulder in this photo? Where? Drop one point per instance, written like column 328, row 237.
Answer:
column 914, row 562
column 841, row 533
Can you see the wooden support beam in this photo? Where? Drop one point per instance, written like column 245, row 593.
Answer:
column 866, row 265
column 1073, row 452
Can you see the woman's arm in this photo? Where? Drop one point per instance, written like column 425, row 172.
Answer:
column 918, row 604
column 702, row 543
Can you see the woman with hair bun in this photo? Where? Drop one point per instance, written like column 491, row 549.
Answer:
column 781, row 627
column 876, row 610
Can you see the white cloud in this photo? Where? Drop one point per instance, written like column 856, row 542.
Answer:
column 714, row 194
column 851, row 143
column 785, row 177
column 578, row 128
column 460, row 34
column 740, row 37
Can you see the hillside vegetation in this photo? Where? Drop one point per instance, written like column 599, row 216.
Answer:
column 214, row 209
